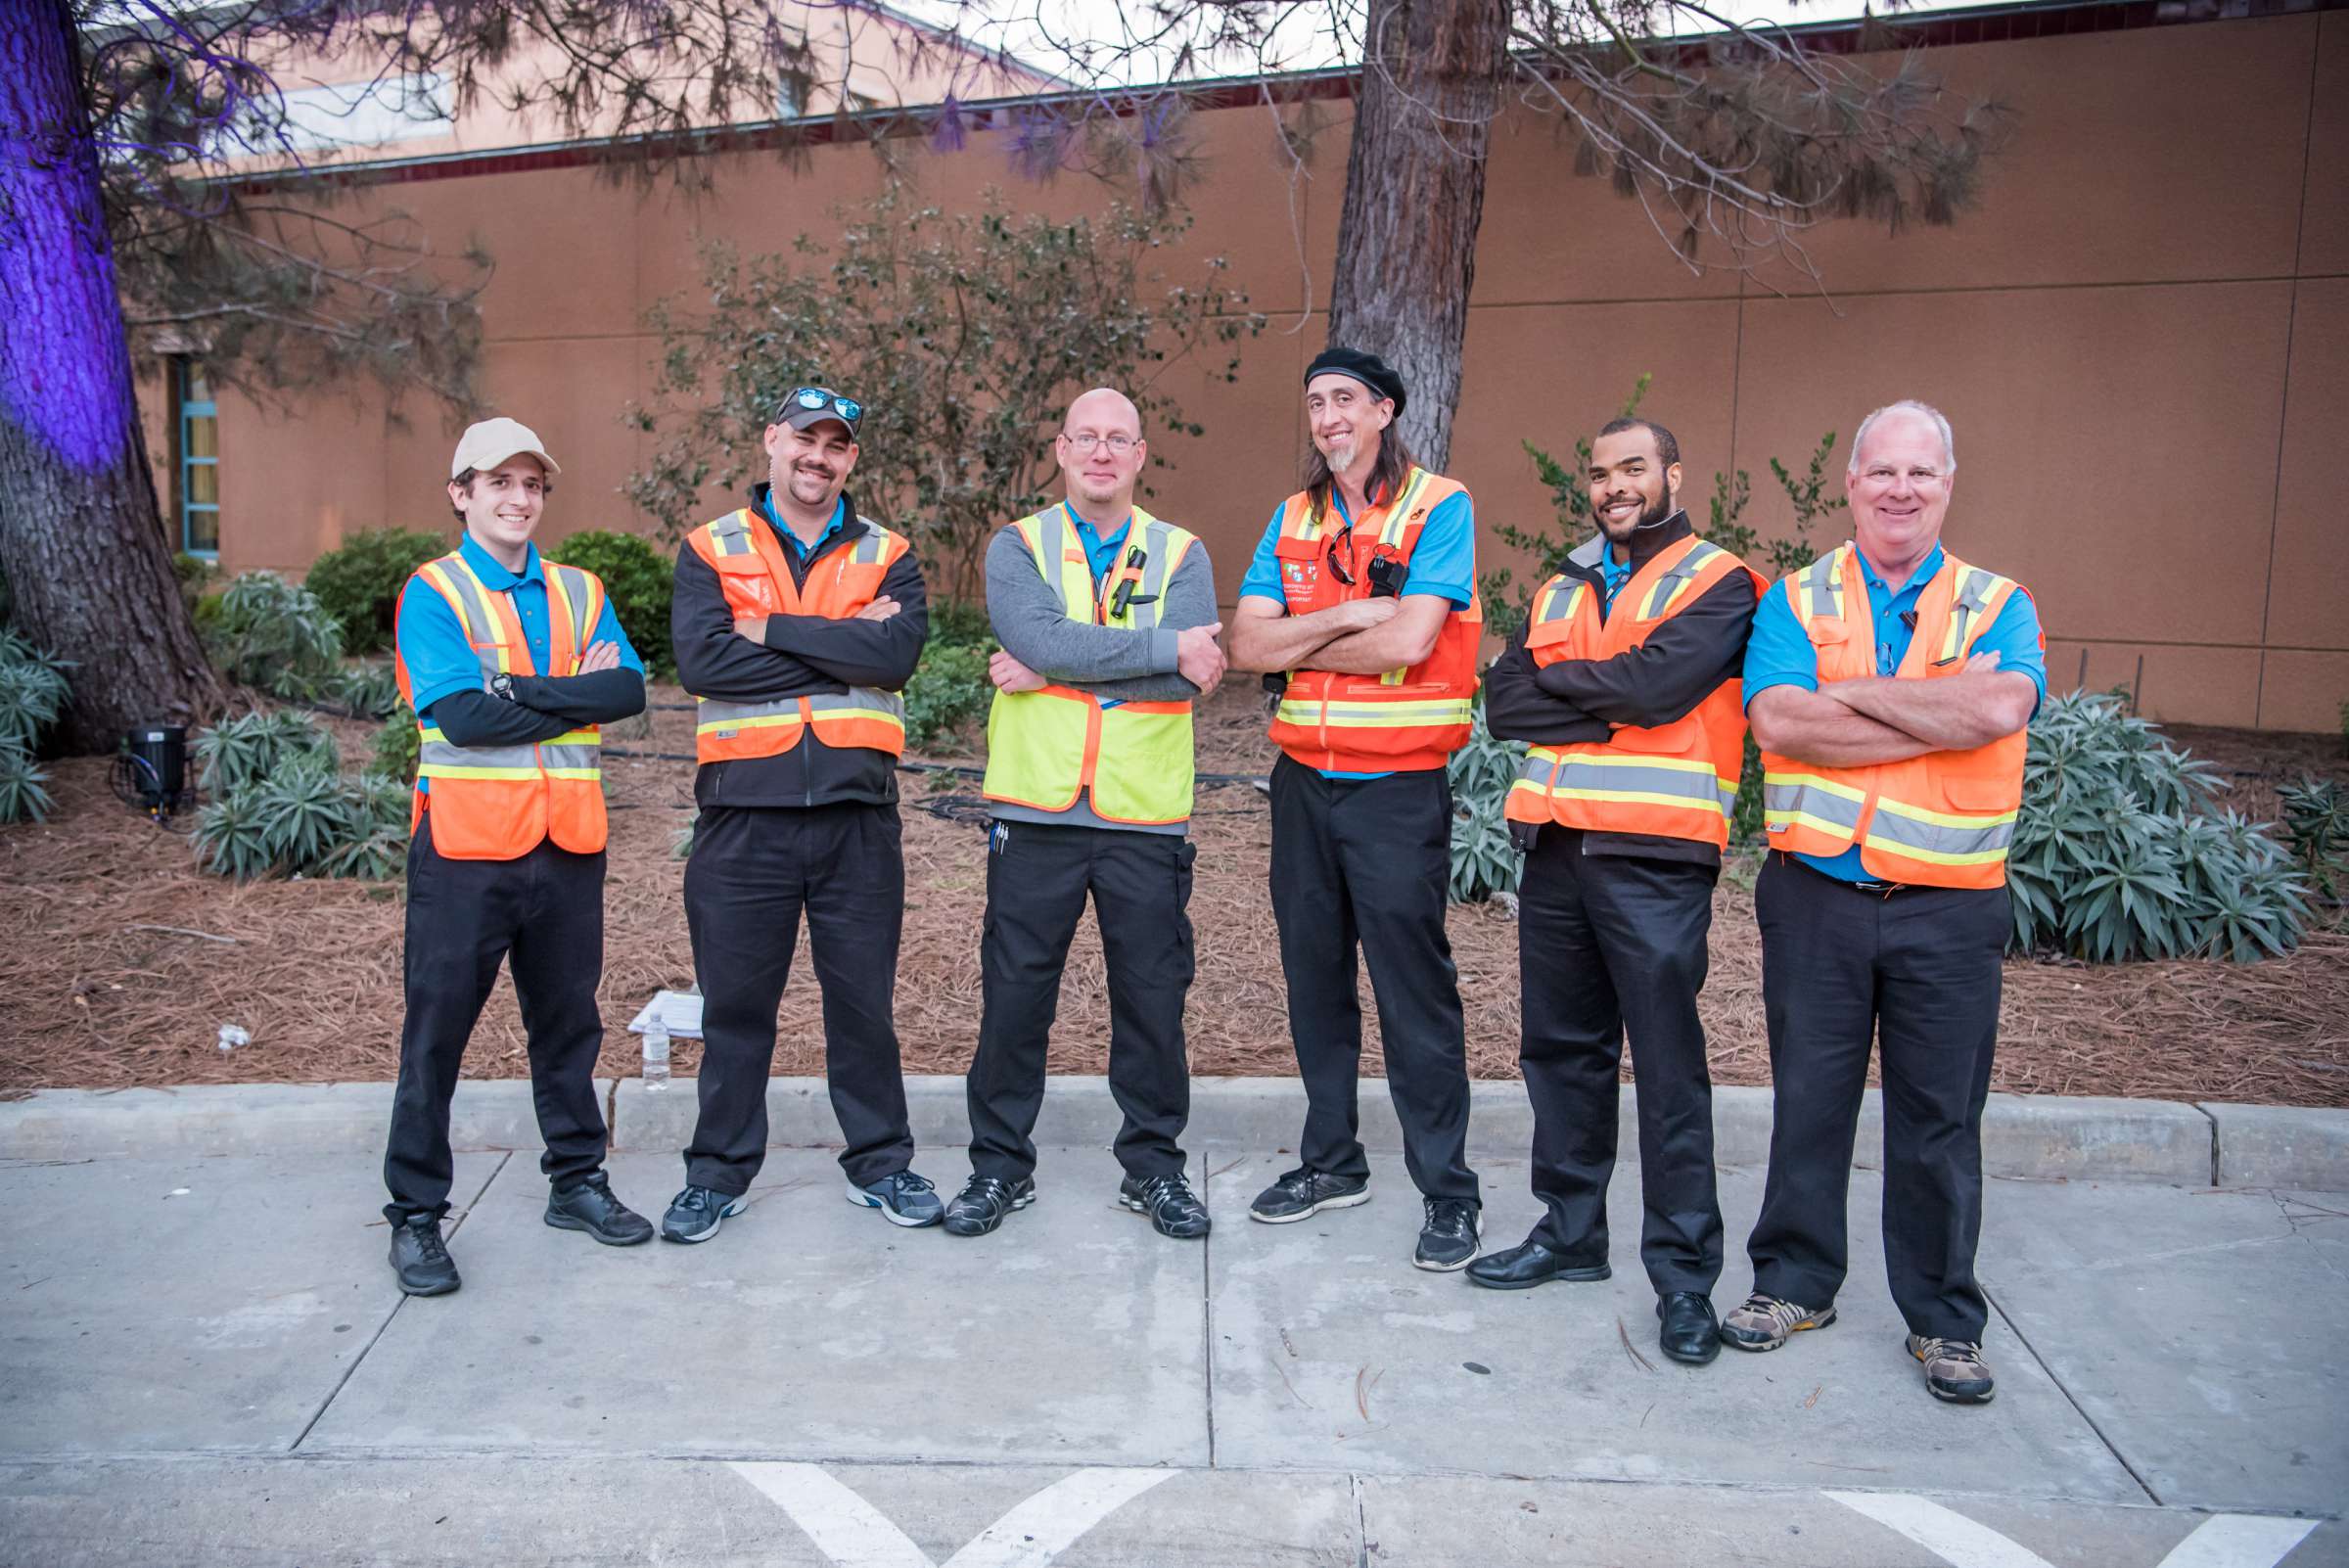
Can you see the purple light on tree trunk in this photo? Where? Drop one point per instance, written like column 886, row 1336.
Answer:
column 62, row 353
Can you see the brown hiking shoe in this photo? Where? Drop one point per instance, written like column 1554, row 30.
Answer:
column 1955, row 1370
column 1763, row 1322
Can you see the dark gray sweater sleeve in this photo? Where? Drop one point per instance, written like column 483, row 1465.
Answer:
column 1029, row 623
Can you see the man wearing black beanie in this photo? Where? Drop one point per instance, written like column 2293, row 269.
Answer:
column 1363, row 593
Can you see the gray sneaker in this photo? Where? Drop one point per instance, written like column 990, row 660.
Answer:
column 1955, row 1370
column 1764, row 1322
column 903, row 1199
column 694, row 1213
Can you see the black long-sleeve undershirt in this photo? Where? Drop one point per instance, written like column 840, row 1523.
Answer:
column 543, row 707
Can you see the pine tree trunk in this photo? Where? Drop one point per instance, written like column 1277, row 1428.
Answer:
column 89, row 576
column 1414, row 193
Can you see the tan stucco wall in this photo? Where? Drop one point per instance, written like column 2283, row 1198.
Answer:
column 2142, row 337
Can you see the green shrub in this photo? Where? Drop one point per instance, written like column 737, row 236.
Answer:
column 2118, row 853
column 2315, row 818
column 281, row 806
column 640, row 581
column 33, row 693
column 365, row 689
column 397, row 744
column 196, row 577
column 1484, row 861
column 358, row 581
column 272, row 634
column 949, row 689
column 243, row 750
column 962, row 622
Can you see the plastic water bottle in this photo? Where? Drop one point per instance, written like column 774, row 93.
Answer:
column 656, row 1055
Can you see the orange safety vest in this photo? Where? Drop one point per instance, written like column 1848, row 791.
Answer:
column 497, row 803
column 747, row 558
column 1940, row 820
column 1674, row 781
column 1404, row 720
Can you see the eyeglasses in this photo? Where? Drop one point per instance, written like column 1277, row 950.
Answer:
column 847, row 408
column 1923, row 478
column 1084, row 442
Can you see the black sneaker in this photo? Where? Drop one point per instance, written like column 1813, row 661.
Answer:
column 1173, row 1207
column 590, row 1206
column 694, row 1213
column 1448, row 1241
column 1304, row 1194
column 420, row 1258
column 982, row 1203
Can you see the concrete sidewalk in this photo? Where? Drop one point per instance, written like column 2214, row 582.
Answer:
column 203, row 1359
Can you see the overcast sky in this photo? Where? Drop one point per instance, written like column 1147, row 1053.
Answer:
column 1039, row 31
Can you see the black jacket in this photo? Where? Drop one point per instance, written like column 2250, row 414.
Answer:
column 804, row 656
column 1660, row 681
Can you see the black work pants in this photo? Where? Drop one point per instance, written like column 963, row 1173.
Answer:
column 542, row 915
column 1369, row 863
column 753, row 871
column 1038, row 878
column 1918, row 970
column 1610, row 945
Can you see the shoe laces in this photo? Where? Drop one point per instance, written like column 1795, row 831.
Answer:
column 986, row 1189
column 1161, row 1189
column 1961, row 1352
column 428, row 1242
column 1451, row 1216
column 701, row 1200
column 1783, row 1314
column 905, row 1181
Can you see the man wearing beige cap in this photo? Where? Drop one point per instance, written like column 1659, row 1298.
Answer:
column 510, row 664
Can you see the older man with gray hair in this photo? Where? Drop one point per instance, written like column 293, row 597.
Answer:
column 1889, row 686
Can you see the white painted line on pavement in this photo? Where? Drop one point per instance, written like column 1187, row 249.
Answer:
column 853, row 1534
column 2238, row 1540
column 1950, row 1535
column 844, row 1526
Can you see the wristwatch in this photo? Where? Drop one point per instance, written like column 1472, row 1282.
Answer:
column 501, row 685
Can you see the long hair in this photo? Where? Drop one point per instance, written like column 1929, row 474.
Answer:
column 1386, row 473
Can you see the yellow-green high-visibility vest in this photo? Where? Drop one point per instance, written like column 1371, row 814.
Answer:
column 1045, row 748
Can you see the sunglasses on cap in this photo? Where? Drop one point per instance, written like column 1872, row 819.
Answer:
column 808, row 399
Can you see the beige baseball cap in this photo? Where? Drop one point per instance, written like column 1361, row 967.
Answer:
column 491, row 441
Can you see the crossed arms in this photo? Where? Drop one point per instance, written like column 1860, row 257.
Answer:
column 1358, row 637
column 1878, row 718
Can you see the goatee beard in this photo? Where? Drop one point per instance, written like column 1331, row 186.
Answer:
column 1649, row 515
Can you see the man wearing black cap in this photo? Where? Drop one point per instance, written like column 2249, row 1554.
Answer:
column 797, row 623
column 1363, row 593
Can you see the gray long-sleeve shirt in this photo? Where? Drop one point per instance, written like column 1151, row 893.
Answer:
column 1128, row 663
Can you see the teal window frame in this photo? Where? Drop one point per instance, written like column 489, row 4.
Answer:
column 190, row 408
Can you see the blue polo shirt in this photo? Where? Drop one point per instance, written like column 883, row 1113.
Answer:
column 1442, row 561
column 440, row 656
column 1101, row 551
column 1617, row 573
column 1779, row 654
column 791, row 540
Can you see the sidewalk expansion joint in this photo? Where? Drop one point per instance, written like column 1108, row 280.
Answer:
column 2120, row 1459
column 1361, row 1524
column 2215, row 1151
column 343, row 1382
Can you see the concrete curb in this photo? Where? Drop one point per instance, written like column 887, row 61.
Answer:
column 2030, row 1136
column 2279, row 1146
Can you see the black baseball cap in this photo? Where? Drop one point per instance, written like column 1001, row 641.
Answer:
column 1368, row 369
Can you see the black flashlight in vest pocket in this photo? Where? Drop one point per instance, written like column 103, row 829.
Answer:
column 1125, row 595
column 1387, row 572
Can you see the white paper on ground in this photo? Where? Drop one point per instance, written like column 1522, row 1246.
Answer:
column 679, row 1010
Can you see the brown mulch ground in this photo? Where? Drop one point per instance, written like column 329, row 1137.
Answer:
column 112, row 976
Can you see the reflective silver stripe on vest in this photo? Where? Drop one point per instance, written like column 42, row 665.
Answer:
column 1818, row 577
column 731, row 535
column 446, row 754
column 1971, row 599
column 1660, row 597
column 1822, row 805
column 1895, row 831
column 1579, row 775
column 722, row 719
column 479, row 627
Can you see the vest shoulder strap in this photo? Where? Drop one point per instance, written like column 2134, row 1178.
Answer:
column 728, row 536
column 1817, row 591
column 878, row 545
